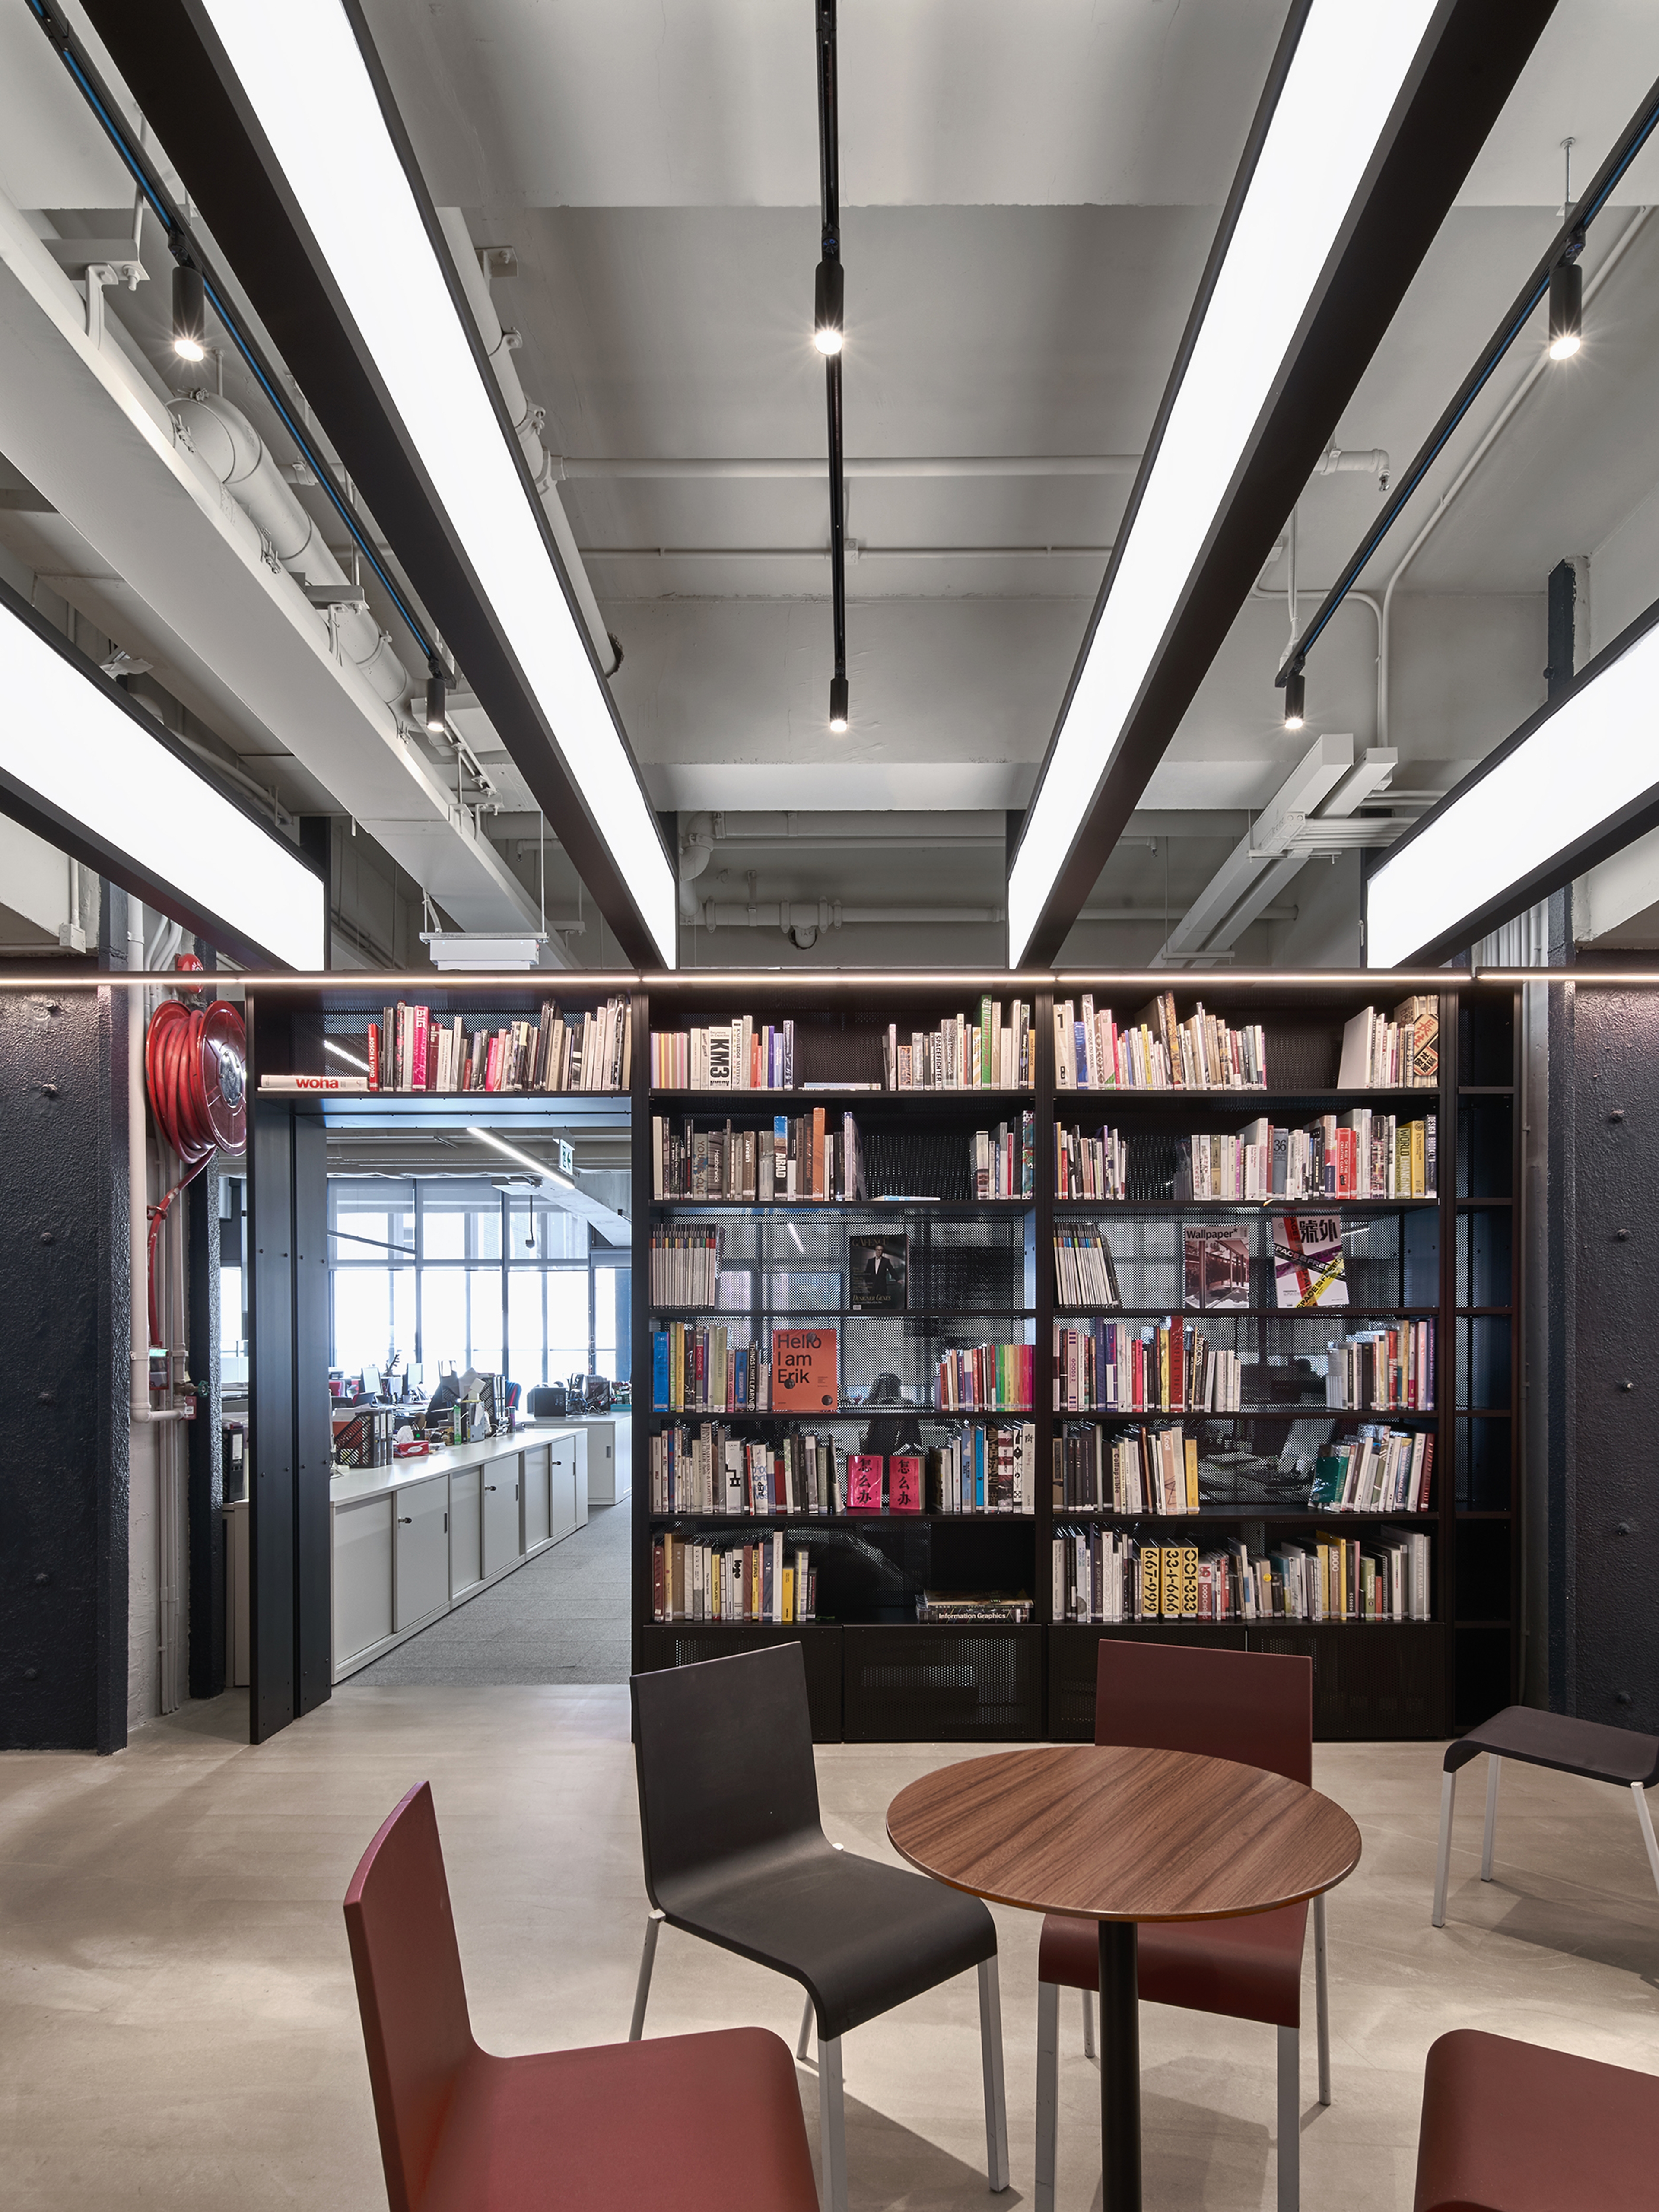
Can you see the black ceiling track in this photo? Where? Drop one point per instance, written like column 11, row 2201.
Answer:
column 828, row 308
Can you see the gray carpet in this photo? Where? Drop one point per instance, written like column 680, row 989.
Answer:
column 564, row 1618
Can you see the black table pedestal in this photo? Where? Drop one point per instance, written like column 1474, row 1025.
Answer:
column 1119, row 2068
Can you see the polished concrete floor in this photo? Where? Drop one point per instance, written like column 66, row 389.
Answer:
column 178, row 2025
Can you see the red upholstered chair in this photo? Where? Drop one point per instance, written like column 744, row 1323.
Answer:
column 1508, row 2127
column 693, row 2122
column 1255, row 1707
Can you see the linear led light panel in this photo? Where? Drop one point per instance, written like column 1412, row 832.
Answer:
column 1350, row 64
column 304, row 78
column 1575, row 782
column 83, row 766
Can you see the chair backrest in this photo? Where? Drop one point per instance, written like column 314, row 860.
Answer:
column 410, row 1991
column 1252, row 1706
column 723, row 1755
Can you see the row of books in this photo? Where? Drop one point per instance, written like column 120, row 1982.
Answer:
column 1376, row 1470
column 1388, row 1371
column 706, row 1370
column 685, row 1267
column 1005, row 1159
column 994, row 1378
column 1090, row 1166
column 1157, row 1050
column 991, row 1053
column 1107, row 1574
column 706, row 1470
column 740, row 1056
column 409, row 1051
column 1148, row 1470
column 1359, row 1154
column 1083, row 1272
column 805, row 1155
column 1401, row 1054
column 757, row 1578
column 1158, row 1367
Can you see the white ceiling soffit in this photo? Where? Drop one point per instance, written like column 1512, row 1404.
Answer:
column 943, row 102
column 82, row 766
column 78, row 421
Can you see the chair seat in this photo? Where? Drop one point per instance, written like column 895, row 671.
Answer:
column 861, row 1937
column 1508, row 2127
column 1591, row 1748
column 1245, row 1969
column 562, row 2132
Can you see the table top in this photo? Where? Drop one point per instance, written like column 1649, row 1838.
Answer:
column 1108, row 1833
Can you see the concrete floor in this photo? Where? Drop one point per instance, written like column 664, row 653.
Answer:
column 179, row 2027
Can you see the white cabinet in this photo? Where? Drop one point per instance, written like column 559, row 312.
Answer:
column 465, row 1529
column 501, row 1514
column 562, row 1455
column 537, row 1523
column 362, row 1576
column 421, row 1550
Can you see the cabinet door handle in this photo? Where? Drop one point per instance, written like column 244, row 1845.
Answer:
column 490, row 1485
column 405, row 1520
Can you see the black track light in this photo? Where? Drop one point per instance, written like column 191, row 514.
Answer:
column 838, row 704
column 189, row 314
column 829, row 295
column 436, row 694
column 1566, row 309
column 1295, row 699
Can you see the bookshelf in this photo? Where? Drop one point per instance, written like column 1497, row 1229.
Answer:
column 980, row 1270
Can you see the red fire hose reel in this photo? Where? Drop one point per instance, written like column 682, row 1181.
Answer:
column 196, row 1073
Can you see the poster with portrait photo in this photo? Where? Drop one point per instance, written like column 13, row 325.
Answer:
column 878, row 1274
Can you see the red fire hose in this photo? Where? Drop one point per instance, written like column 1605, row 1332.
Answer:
column 196, row 1073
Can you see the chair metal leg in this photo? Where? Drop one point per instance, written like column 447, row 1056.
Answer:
column 642, row 1988
column 1646, row 1819
column 1494, row 1768
column 832, row 2128
column 803, row 2041
column 1048, row 2091
column 996, row 2096
column 1088, row 2024
column 1322, row 2001
column 1289, row 2119
column 1447, row 1799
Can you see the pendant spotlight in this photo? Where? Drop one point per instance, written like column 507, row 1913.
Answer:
column 189, row 314
column 829, row 295
column 436, row 699
column 828, row 330
column 1567, row 304
column 1296, row 698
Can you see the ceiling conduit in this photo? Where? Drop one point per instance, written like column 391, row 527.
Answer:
column 545, row 472
column 221, row 436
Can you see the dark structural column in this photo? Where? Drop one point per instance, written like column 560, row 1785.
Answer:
column 64, row 1384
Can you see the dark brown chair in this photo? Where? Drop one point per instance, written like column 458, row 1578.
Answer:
column 1254, row 1707
column 1589, row 1748
column 1508, row 2127
column 709, row 2121
column 735, row 1852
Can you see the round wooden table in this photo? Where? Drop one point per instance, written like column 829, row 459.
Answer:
column 1120, row 1836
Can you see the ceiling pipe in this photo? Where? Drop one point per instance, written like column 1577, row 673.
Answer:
column 573, row 469
column 527, row 421
column 222, row 436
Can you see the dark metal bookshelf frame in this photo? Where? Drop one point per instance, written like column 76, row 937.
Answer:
column 924, row 1681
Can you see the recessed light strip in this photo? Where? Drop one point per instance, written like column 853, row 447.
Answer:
column 1323, row 233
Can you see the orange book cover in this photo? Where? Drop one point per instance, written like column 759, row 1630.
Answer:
column 803, row 1370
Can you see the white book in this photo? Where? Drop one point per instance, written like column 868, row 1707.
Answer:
column 1355, row 1071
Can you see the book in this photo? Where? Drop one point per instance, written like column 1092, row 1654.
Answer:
column 326, row 1082
column 877, row 1273
column 904, row 1482
column 1308, row 1260
column 864, row 1482
column 1215, row 1269
column 805, row 1376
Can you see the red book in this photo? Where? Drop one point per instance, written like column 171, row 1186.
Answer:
column 493, row 1064
column 374, row 1055
column 417, row 1073
column 904, row 1483
column 864, row 1482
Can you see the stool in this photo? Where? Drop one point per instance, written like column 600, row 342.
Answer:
column 1509, row 2127
column 1570, row 1746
